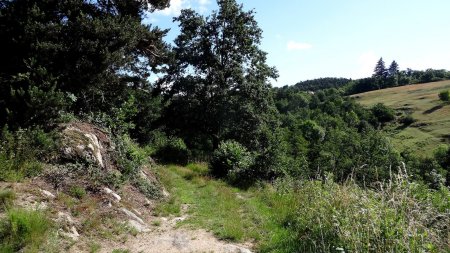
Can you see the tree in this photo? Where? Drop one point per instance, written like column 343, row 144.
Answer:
column 392, row 74
column 220, row 87
column 380, row 73
column 85, row 52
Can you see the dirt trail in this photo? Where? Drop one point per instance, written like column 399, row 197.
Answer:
column 166, row 237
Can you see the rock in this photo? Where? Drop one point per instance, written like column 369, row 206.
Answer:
column 132, row 215
column 141, row 228
column 47, row 194
column 165, row 193
column 65, row 218
column 72, row 234
column 112, row 193
column 86, row 141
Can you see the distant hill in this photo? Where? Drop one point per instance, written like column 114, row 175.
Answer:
column 421, row 101
column 322, row 83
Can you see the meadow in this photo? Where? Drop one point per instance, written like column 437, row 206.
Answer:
column 432, row 116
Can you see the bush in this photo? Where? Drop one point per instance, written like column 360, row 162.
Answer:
column 173, row 151
column 21, row 152
column 233, row 161
column 407, row 120
column 444, row 96
column 23, row 230
column 383, row 113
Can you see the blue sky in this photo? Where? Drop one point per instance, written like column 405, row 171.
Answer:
column 330, row 38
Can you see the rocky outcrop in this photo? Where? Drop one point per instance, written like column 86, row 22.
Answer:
column 86, row 142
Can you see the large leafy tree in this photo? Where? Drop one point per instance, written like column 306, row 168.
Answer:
column 220, row 88
column 89, row 53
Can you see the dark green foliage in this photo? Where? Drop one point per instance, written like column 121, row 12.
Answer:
column 444, row 96
column 220, row 85
column 331, row 133
column 82, row 54
column 321, row 84
column 407, row 120
column 382, row 113
column 173, row 151
column 232, row 161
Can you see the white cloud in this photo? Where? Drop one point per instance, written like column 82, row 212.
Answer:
column 174, row 9
column 292, row 45
column 177, row 5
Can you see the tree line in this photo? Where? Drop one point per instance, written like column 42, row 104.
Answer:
column 92, row 60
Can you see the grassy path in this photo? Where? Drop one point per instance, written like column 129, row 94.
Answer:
column 230, row 213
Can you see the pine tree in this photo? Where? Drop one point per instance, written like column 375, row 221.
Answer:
column 393, row 69
column 89, row 53
column 380, row 71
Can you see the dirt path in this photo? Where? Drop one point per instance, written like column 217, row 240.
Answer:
column 167, row 238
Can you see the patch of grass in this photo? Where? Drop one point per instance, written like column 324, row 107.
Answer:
column 422, row 103
column 23, row 230
column 77, row 192
column 213, row 204
column 94, row 247
column 7, row 197
column 156, row 223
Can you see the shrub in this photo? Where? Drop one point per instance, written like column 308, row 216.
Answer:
column 21, row 152
column 383, row 113
column 233, row 161
column 173, row 151
column 444, row 96
column 23, row 230
column 407, row 120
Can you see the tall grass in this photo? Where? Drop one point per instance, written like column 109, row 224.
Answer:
column 314, row 216
column 23, row 230
column 322, row 216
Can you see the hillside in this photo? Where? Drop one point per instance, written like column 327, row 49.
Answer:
column 422, row 102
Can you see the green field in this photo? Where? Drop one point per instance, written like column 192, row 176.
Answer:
column 432, row 127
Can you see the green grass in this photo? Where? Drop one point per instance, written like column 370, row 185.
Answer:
column 230, row 213
column 311, row 216
column 7, row 197
column 422, row 102
column 24, row 230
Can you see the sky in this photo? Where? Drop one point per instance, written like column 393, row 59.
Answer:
column 308, row 39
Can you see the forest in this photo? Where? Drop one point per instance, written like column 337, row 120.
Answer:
column 309, row 151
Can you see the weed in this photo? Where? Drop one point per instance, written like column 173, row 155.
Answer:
column 77, row 192
column 7, row 197
column 156, row 223
column 23, row 230
column 94, row 247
